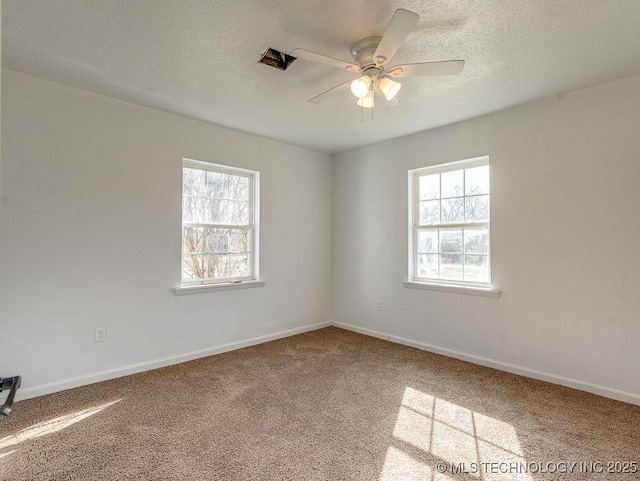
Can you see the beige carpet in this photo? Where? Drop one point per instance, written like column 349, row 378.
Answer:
column 327, row 405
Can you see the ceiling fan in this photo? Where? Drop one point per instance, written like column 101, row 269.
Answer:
column 371, row 56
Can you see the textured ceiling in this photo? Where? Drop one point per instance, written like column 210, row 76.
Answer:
column 198, row 58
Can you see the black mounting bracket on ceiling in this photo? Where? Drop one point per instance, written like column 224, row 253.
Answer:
column 277, row 59
column 11, row 384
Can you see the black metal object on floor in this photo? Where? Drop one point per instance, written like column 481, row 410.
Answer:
column 11, row 384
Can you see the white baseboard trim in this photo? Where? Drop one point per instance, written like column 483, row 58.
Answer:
column 501, row 366
column 57, row 386
column 53, row 387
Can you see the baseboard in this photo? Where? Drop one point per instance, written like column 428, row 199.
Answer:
column 50, row 388
column 501, row 366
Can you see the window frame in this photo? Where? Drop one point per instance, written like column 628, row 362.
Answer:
column 253, row 225
column 414, row 225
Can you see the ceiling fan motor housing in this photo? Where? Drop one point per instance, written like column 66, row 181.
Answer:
column 362, row 52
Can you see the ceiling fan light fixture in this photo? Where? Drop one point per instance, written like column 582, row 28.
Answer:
column 360, row 86
column 371, row 56
column 389, row 88
column 366, row 101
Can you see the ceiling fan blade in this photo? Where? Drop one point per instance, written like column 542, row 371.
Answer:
column 335, row 90
column 387, row 104
column 448, row 67
column 319, row 58
column 399, row 27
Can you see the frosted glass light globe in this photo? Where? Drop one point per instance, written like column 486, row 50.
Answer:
column 366, row 101
column 360, row 86
column 389, row 88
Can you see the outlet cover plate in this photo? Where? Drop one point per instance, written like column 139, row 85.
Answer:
column 101, row 334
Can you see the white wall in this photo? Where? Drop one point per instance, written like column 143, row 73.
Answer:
column 565, row 179
column 91, row 218
column 0, row 130
column 91, row 236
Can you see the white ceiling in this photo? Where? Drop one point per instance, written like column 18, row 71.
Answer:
column 198, row 58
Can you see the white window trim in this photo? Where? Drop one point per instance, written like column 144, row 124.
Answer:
column 221, row 286
column 200, row 286
column 453, row 289
column 454, row 286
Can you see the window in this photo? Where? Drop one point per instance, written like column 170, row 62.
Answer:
column 219, row 223
column 449, row 224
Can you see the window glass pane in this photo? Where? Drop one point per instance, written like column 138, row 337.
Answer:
column 476, row 180
column 429, row 186
column 429, row 212
column 194, row 266
column 218, row 266
column 453, row 210
column 200, row 209
column 217, row 185
column 217, row 241
column 193, row 181
column 451, row 266
column 239, row 265
column 475, row 268
column 211, row 207
column 239, row 241
column 193, row 240
column 230, row 212
column 188, row 209
column 428, row 266
column 219, row 211
column 476, row 240
column 195, row 209
column 427, row 241
column 477, row 208
column 451, row 241
column 238, row 187
column 452, row 184
column 239, row 212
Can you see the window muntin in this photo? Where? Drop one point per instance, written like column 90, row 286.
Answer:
column 219, row 223
column 449, row 223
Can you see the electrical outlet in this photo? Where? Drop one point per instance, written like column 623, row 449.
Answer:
column 101, row 334
column 379, row 305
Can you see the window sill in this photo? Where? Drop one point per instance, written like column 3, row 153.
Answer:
column 468, row 290
column 226, row 286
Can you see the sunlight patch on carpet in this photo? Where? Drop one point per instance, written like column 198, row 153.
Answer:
column 2, row 455
column 51, row 426
column 444, row 437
